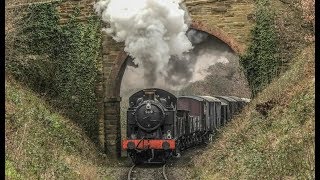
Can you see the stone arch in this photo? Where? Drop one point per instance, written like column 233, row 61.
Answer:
column 111, row 129
column 117, row 73
column 220, row 34
column 110, row 133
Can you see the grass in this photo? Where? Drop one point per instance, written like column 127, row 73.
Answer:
column 277, row 146
column 42, row 144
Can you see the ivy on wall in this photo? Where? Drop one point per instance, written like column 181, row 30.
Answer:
column 60, row 61
column 261, row 63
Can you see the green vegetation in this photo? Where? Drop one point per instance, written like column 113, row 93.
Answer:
column 261, row 63
column 293, row 28
column 10, row 171
column 279, row 145
column 59, row 61
column 274, row 136
column 42, row 144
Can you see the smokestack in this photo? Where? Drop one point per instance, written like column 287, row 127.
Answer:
column 149, row 93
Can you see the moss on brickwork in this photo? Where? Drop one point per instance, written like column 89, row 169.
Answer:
column 260, row 62
column 66, row 8
column 60, row 61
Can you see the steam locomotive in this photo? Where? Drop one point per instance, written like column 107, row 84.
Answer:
column 160, row 125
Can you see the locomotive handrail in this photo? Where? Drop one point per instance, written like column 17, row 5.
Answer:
column 139, row 142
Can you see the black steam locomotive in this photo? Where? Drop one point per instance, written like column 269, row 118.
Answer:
column 160, row 125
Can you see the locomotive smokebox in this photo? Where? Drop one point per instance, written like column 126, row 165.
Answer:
column 150, row 125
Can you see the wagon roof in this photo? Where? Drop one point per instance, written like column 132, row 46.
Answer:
column 210, row 98
column 191, row 97
column 227, row 98
column 236, row 98
column 246, row 99
column 223, row 103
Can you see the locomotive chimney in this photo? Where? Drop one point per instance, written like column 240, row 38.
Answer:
column 150, row 93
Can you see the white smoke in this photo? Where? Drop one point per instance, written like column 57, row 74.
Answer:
column 191, row 67
column 152, row 30
column 204, row 61
column 196, row 37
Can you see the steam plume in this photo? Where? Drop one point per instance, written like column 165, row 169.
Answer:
column 191, row 67
column 152, row 30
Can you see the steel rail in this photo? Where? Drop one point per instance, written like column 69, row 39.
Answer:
column 164, row 172
column 130, row 171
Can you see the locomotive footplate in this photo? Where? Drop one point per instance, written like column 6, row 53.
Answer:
column 141, row 144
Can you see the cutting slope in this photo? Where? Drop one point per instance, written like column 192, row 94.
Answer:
column 40, row 143
column 273, row 138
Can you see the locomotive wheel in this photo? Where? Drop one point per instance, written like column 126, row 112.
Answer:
column 206, row 139
column 183, row 144
column 196, row 140
column 178, row 149
column 210, row 138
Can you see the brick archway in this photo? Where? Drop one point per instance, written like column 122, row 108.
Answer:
column 220, row 34
column 111, row 130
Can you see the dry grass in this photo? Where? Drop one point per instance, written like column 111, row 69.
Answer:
column 279, row 146
column 43, row 144
column 308, row 10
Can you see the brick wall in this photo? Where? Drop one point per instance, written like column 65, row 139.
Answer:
column 233, row 17
column 66, row 7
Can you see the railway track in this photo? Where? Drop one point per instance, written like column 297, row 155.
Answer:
column 147, row 172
